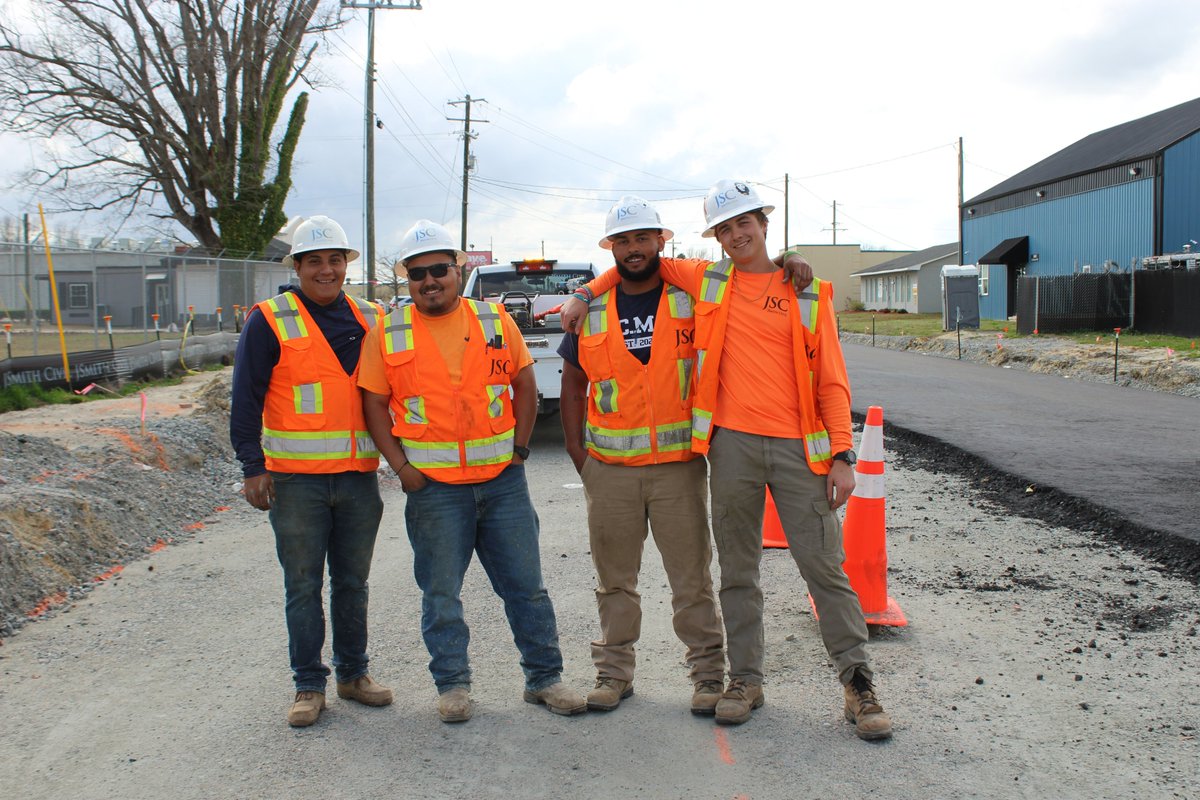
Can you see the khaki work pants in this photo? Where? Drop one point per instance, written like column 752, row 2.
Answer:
column 742, row 465
column 620, row 501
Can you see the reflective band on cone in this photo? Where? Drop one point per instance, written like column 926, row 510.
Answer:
column 864, row 530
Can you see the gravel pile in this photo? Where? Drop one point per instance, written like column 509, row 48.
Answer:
column 73, row 515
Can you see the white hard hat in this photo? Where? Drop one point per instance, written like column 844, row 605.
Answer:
column 728, row 199
column 318, row 233
column 426, row 236
column 631, row 214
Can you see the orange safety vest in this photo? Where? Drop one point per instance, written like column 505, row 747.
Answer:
column 453, row 434
column 712, row 315
column 312, row 416
column 639, row 413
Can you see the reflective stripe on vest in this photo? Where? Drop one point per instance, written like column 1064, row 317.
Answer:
column 308, row 398
column 679, row 302
column 286, row 316
column 489, row 322
column 370, row 311
column 479, row 452
column 817, row 446
column 414, row 411
column 397, row 330
column 366, row 445
column 684, row 367
column 606, row 393
column 715, row 280
column 701, row 424
column 808, row 305
column 596, row 320
column 614, row 442
column 495, row 404
column 307, row 445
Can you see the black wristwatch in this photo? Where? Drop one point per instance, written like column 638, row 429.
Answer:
column 848, row 456
column 523, row 452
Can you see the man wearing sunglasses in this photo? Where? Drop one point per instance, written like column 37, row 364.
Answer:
column 297, row 427
column 450, row 399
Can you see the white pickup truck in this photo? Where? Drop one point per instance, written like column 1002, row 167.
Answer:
column 532, row 291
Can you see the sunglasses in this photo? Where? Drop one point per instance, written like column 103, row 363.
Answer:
column 436, row 270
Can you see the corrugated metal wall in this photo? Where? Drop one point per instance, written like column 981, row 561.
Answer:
column 1181, row 194
column 1115, row 223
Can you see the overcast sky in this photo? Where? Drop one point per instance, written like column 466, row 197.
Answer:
column 860, row 103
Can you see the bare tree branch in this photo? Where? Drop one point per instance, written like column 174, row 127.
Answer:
column 168, row 102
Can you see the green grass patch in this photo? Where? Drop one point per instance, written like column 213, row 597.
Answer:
column 16, row 398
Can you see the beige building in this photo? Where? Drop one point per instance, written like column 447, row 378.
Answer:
column 837, row 263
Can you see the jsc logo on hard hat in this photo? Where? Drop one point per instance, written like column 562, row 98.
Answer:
column 731, row 194
column 626, row 212
column 319, row 234
column 421, row 234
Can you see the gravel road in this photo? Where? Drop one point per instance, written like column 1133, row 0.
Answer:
column 1039, row 662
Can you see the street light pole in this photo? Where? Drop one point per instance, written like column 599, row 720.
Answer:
column 369, row 128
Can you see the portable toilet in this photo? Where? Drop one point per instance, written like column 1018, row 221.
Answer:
column 960, row 297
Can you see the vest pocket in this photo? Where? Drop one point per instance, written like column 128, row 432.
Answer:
column 706, row 320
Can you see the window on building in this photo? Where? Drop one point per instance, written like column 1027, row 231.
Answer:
column 983, row 280
column 79, row 295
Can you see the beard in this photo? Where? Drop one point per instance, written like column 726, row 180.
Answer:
column 647, row 273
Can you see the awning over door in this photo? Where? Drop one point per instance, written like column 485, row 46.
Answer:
column 1010, row 252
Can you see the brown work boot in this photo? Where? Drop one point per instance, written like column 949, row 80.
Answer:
column 366, row 691
column 609, row 693
column 455, row 705
column 305, row 709
column 706, row 696
column 559, row 699
column 738, row 701
column 870, row 720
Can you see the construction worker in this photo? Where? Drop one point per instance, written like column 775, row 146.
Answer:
column 635, row 458
column 772, row 408
column 296, row 425
column 457, row 377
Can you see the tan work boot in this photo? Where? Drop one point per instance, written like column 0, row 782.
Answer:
column 454, row 705
column 706, row 696
column 305, row 709
column 366, row 691
column 870, row 720
column 559, row 699
column 738, row 701
column 608, row 694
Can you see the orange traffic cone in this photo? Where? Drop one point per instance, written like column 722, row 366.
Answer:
column 772, row 528
column 864, row 531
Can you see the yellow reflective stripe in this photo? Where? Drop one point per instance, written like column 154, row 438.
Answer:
column 431, row 455
column 684, row 368
column 490, row 450
column 701, row 423
column 306, row 445
column 817, row 446
column 616, row 441
column 285, row 313
column 488, row 315
column 808, row 300
column 369, row 310
column 397, row 331
column 365, row 445
column 308, row 398
column 679, row 302
column 495, row 404
column 414, row 410
column 606, row 393
column 675, row 436
column 715, row 280
column 596, row 320
column 700, row 355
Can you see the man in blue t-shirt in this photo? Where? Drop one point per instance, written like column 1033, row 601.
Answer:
column 634, row 456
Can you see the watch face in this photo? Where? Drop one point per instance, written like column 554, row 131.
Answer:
column 848, row 456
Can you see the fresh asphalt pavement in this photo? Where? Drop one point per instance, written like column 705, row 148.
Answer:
column 1132, row 451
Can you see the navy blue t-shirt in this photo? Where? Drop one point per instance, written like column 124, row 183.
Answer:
column 636, row 312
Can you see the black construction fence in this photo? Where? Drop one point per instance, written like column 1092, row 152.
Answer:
column 1151, row 301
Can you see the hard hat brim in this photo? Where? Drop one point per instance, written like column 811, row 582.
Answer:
column 667, row 233
column 289, row 262
column 711, row 232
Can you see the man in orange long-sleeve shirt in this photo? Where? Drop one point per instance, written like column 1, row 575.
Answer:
column 772, row 408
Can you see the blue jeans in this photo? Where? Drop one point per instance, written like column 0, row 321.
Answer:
column 446, row 524
column 318, row 519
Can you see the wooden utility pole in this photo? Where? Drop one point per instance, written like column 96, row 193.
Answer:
column 961, row 252
column 467, row 135
column 835, row 227
column 786, row 241
column 369, row 129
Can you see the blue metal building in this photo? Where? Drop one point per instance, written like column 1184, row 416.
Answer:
column 1100, row 204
